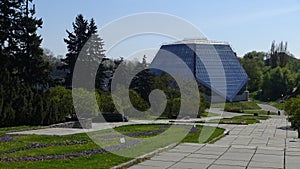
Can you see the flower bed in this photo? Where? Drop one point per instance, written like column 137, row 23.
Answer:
column 37, row 145
column 71, row 155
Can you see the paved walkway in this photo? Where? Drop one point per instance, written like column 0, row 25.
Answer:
column 267, row 145
column 102, row 126
column 267, row 107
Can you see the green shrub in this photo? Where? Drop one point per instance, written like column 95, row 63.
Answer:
column 232, row 109
column 105, row 103
column 85, row 102
column 292, row 109
column 240, row 106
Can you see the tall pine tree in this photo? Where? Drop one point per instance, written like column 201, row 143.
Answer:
column 142, row 83
column 20, row 43
column 23, row 69
column 85, row 39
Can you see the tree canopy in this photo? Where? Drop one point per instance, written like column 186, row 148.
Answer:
column 272, row 75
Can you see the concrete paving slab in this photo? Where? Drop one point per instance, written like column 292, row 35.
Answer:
column 258, row 164
column 197, row 160
column 292, row 165
column 292, row 162
column 144, row 167
column 181, row 165
column 162, row 164
column 231, row 162
column 203, row 156
column 173, row 158
column 237, row 156
column 268, row 158
column 225, row 167
column 169, row 153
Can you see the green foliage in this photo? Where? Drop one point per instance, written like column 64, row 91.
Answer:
column 254, row 73
column 63, row 98
column 134, row 107
column 240, row 106
column 277, row 82
column 253, row 63
column 20, row 50
column 279, row 106
column 138, row 102
column 105, row 103
column 142, row 83
column 292, row 109
column 84, row 102
column 34, row 107
column 233, row 109
column 272, row 75
column 24, row 71
column 279, row 55
column 208, row 114
column 245, row 119
column 260, row 112
column 173, row 107
column 84, row 38
column 258, row 57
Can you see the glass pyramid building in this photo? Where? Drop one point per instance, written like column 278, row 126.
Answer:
column 214, row 65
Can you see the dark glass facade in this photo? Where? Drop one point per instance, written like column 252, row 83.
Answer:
column 214, row 65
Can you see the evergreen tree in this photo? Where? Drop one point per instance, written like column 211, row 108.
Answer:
column 24, row 71
column 32, row 67
column 143, row 81
column 83, row 39
column 75, row 42
column 8, row 13
column 95, row 55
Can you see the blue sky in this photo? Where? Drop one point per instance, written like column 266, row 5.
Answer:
column 246, row 25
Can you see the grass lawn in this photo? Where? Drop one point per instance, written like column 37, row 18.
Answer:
column 237, row 106
column 79, row 151
column 241, row 106
column 17, row 128
column 245, row 119
column 203, row 115
column 279, row 106
column 208, row 114
column 262, row 112
column 275, row 104
column 149, row 117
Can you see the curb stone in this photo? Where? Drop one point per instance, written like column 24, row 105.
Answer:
column 144, row 157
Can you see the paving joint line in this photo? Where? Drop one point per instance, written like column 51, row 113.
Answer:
column 219, row 157
column 250, row 141
column 264, row 130
column 284, row 158
column 253, row 130
column 251, row 157
column 268, row 141
column 234, row 139
column 186, row 156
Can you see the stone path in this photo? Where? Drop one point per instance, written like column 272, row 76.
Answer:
column 268, row 145
column 267, row 107
column 102, row 126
